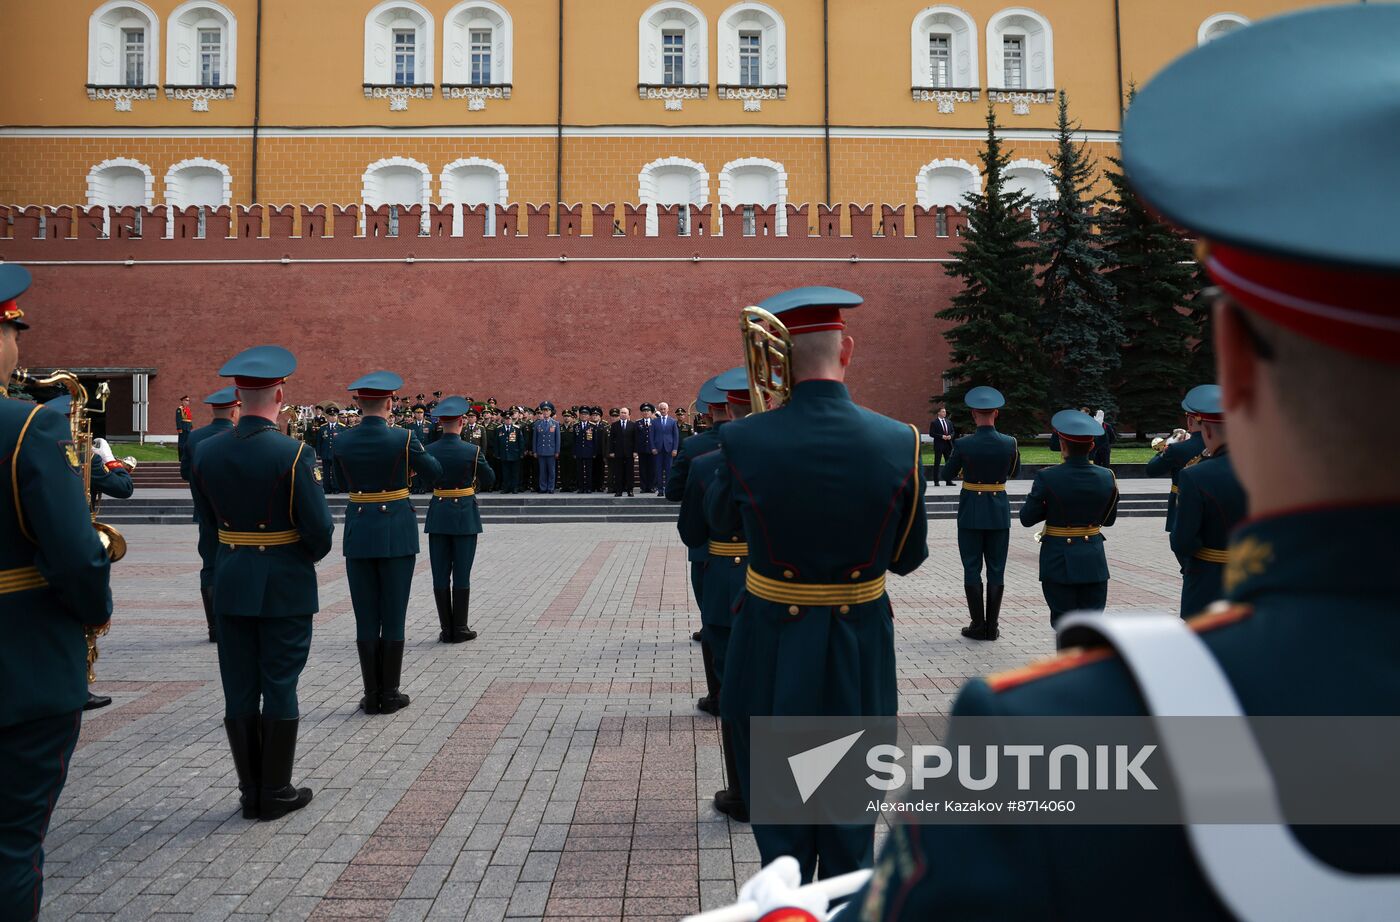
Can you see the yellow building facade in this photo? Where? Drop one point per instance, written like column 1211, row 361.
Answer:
column 785, row 101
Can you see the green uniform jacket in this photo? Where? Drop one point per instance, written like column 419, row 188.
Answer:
column 115, row 483
column 53, row 561
column 1169, row 462
column 1074, row 494
column 691, row 448
column 724, row 575
column 1211, row 503
column 258, row 480
column 841, row 503
column 207, row 543
column 463, row 465
column 1290, row 588
column 373, row 458
column 985, row 456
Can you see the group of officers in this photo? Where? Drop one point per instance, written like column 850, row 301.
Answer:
column 529, row 449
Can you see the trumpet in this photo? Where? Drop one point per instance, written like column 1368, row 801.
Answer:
column 768, row 357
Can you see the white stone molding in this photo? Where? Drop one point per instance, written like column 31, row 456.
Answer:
column 1021, row 102
column 653, row 174
column 962, row 47
column 1219, row 25
column 1039, row 48
column 659, row 17
column 182, row 178
column 452, row 189
column 112, row 182
column 380, row 23
column 945, row 182
column 1033, row 177
column 947, row 100
column 106, row 69
column 398, row 96
column 200, row 96
column 475, row 96
column 182, row 51
column 456, row 47
column 768, row 22
column 733, row 193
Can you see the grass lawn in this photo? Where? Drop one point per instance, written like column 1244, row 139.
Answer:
column 1123, row 453
column 151, row 451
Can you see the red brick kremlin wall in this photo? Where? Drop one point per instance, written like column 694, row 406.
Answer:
column 522, row 316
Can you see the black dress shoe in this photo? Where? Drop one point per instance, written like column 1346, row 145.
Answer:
column 732, row 805
column 709, row 705
column 695, row 637
column 96, row 701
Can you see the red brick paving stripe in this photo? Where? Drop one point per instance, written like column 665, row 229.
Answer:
column 563, row 605
column 665, row 582
column 157, row 696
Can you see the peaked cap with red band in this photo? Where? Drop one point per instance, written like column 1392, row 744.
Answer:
column 377, row 384
column 14, row 281
column 223, row 398
column 259, row 367
column 813, row 309
column 1076, row 426
column 734, row 383
column 1275, row 146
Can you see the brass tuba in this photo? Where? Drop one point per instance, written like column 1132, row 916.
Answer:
column 80, row 425
column 768, row 357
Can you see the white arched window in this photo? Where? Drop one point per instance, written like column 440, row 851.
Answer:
column 201, row 53
column 947, row 182
column 1218, row 25
column 118, row 183
column 751, row 183
column 473, row 181
column 123, row 52
column 1020, row 51
column 672, row 181
column 399, row 53
column 205, row 183
column 1031, row 177
column 396, row 182
column 752, row 54
column 673, row 55
column 477, row 48
column 943, row 50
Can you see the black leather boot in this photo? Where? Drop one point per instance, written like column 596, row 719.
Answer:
column 277, row 796
column 443, row 598
column 730, row 801
column 245, row 741
column 461, row 605
column 391, row 669
column 710, row 703
column 369, row 672
column 994, row 594
column 206, row 593
column 95, row 702
column 977, row 630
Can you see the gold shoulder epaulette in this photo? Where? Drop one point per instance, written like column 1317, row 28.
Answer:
column 1218, row 615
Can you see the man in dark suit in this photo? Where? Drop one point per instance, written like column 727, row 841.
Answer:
column 622, row 451
column 666, row 439
column 943, row 433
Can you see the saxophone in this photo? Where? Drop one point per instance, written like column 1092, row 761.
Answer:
column 80, row 424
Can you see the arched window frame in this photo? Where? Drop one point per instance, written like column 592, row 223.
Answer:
column 646, row 186
column 1039, row 49
column 183, row 63
column 174, row 191
column 447, row 183
column 380, row 23
column 962, row 32
column 457, row 52
column 651, row 83
column 728, row 197
column 1039, row 165
column 371, row 193
column 97, row 193
column 768, row 22
column 1210, row 29
column 106, row 56
column 921, row 193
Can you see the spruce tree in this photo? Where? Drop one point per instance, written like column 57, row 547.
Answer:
column 1154, row 275
column 995, row 339
column 1079, row 316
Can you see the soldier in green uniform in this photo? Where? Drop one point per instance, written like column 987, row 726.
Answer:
column 1172, row 458
column 224, row 404
column 1076, row 500
column 422, row 430
column 1306, row 325
column 983, row 461
column 491, row 426
column 473, row 433
column 600, row 459
column 53, row 584
column 454, row 521
column 568, row 435
column 675, row 492
column 722, row 575
column 259, row 487
column 1211, row 503
column 529, row 464
column 381, row 535
column 813, row 630
column 184, row 424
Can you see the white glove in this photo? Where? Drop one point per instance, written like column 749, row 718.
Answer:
column 776, row 887
column 103, row 451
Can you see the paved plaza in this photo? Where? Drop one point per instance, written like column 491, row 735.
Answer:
column 554, row 768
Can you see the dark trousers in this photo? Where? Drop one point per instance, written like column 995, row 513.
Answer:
column 941, row 451
column 379, row 589
column 528, row 470
column 646, row 472
column 821, row 851
column 663, row 470
column 32, row 772
column 568, row 473
column 1202, row 583
column 548, row 470
column 510, row 476
column 328, row 476
column 621, row 474
column 451, row 557
column 976, row 545
column 599, row 469
column 697, row 581
column 262, row 658
column 585, row 475
column 181, row 439
column 495, row 465
column 1064, row 598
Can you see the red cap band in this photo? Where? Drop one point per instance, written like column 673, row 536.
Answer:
column 739, row 397
column 372, row 392
column 1352, row 310
column 9, row 310
column 225, row 406
column 256, row 384
column 1074, row 438
column 812, row 320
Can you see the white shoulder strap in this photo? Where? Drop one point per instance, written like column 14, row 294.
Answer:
column 1259, row 871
